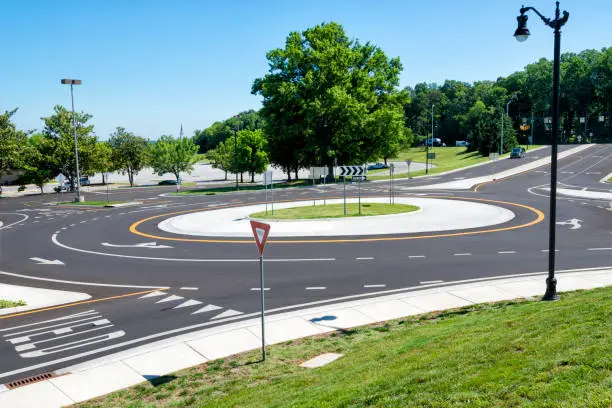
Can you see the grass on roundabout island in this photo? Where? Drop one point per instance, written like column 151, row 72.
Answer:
column 92, row 203
column 9, row 303
column 334, row 211
column 523, row 353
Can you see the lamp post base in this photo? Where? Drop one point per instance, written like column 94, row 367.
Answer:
column 551, row 289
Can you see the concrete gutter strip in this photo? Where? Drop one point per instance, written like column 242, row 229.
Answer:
column 107, row 374
column 36, row 298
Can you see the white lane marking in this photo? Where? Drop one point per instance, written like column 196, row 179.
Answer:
column 365, row 258
column 41, row 330
column 94, row 219
column 463, row 254
column 381, row 285
column 153, row 294
column 56, row 242
column 190, row 302
column 188, row 288
column 170, row 298
column 42, row 261
column 546, row 250
column 259, row 289
column 207, row 308
column 82, row 222
column 33, row 222
column 108, row 285
column 64, row 228
column 430, row 282
column 72, row 225
column 316, row 287
column 599, row 249
column 567, row 172
column 74, row 344
column 107, row 216
column 256, row 314
column 152, row 245
column 506, row 252
column 227, row 313
column 416, row 256
column 57, row 319
column 25, row 217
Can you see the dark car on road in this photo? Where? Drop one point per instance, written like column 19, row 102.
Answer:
column 377, row 166
column 518, row 153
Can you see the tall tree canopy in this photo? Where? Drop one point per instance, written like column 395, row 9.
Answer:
column 130, row 153
column 176, row 156
column 322, row 97
column 13, row 143
column 58, row 134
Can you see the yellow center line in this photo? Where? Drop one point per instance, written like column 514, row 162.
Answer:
column 84, row 302
column 539, row 217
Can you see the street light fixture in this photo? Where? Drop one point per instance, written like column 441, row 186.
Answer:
column 501, row 145
column 521, row 34
column 71, row 82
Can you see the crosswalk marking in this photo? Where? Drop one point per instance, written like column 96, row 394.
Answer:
column 227, row 313
column 207, row 308
column 153, row 294
column 190, row 302
column 170, row 299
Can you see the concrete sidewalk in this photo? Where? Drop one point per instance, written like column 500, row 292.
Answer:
column 124, row 369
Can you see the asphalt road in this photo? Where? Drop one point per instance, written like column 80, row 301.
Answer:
column 214, row 281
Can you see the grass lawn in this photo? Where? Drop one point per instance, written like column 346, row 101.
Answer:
column 509, row 354
column 335, row 211
column 10, row 303
column 243, row 187
column 92, row 203
column 447, row 158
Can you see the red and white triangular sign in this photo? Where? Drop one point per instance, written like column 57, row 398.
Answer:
column 260, row 232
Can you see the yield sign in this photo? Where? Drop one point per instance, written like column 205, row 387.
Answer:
column 260, row 232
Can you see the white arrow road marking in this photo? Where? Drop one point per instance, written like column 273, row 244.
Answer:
column 152, row 245
column 153, row 294
column 190, row 302
column 188, row 288
column 170, row 299
column 575, row 223
column 41, row 261
column 207, row 308
column 227, row 313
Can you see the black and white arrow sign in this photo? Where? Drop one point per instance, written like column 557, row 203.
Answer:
column 352, row 171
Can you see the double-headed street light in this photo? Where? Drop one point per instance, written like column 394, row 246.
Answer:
column 521, row 34
column 72, row 82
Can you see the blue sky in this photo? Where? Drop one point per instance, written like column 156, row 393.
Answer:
column 151, row 65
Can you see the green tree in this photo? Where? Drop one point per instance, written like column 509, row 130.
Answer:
column 59, row 146
column 319, row 93
column 253, row 145
column 37, row 167
column 130, row 153
column 12, row 145
column 176, row 156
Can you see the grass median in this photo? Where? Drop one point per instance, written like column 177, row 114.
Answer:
column 242, row 187
column 508, row 354
column 334, row 211
column 92, row 203
column 447, row 158
column 9, row 303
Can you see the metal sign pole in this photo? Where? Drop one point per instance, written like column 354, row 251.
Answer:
column 324, row 177
column 261, row 291
column 272, row 191
column 344, row 182
column 390, row 184
column 266, row 188
column 359, row 194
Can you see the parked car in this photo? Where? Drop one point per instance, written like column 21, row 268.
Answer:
column 435, row 142
column 377, row 166
column 461, row 143
column 518, row 153
column 169, row 182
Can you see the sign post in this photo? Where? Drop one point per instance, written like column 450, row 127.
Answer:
column 260, row 232
column 408, row 163
column 391, row 171
column 267, row 181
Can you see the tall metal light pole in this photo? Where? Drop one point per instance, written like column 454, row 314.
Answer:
column 236, row 151
column 72, row 82
column 521, row 34
column 426, row 142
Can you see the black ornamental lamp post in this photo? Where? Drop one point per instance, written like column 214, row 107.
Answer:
column 521, row 34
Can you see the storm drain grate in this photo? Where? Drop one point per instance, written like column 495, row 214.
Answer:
column 29, row 380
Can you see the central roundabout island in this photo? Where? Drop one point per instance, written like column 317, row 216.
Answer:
column 326, row 218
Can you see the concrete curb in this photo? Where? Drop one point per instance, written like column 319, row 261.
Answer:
column 124, row 369
column 36, row 298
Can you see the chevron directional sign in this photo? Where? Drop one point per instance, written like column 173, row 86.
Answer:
column 352, row 170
